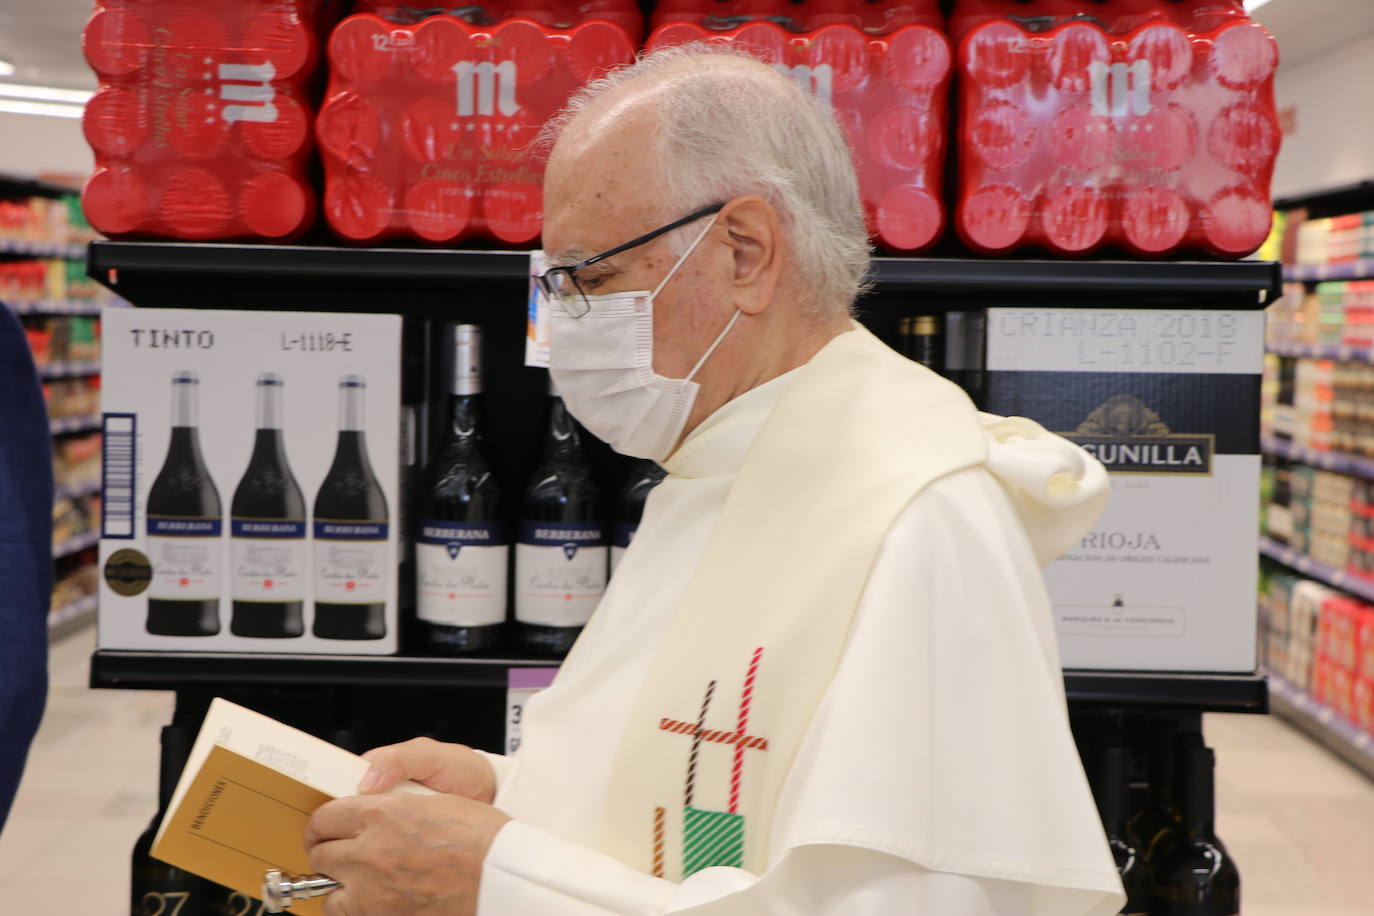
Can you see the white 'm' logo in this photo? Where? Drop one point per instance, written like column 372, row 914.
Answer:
column 485, row 87
column 815, row 80
column 1117, row 88
column 258, row 93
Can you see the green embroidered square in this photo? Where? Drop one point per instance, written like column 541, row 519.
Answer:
column 711, row 838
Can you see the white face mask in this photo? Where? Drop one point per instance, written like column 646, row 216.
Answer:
column 603, row 366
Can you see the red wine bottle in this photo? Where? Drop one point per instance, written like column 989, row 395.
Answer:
column 1196, row 876
column 561, row 552
column 643, row 477
column 462, row 546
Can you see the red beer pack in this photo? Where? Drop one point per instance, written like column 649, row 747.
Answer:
column 201, row 124
column 427, row 129
column 883, row 66
column 1143, row 124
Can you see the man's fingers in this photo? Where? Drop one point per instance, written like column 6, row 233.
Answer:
column 422, row 759
column 340, row 819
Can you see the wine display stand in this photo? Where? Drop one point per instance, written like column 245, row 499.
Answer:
column 380, row 699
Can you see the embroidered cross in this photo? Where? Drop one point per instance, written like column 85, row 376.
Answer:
column 712, row 837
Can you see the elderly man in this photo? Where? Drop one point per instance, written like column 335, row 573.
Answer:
column 824, row 679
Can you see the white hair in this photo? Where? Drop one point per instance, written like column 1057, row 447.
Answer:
column 730, row 125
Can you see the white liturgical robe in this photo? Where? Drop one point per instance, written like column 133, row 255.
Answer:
column 938, row 775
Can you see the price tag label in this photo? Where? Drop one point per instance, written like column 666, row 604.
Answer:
column 521, row 685
column 537, row 316
column 1175, row 341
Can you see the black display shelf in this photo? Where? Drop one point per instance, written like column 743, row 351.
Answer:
column 1315, row 569
column 1341, row 463
column 171, row 670
column 147, row 273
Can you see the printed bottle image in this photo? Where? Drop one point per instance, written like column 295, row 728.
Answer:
column 267, row 559
column 643, row 477
column 185, row 522
column 159, row 889
column 462, row 549
column 350, row 524
column 560, row 556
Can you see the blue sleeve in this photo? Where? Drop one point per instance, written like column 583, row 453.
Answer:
column 26, row 573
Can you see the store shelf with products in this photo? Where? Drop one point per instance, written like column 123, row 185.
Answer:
column 1342, row 737
column 1337, row 352
column 89, row 488
column 141, row 271
column 38, row 249
column 71, row 617
column 75, row 544
column 167, row 670
column 87, row 307
column 1339, row 462
column 1337, row 578
column 69, row 369
column 1359, row 269
column 63, row 425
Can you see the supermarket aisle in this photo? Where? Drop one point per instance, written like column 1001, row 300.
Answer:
column 1300, row 822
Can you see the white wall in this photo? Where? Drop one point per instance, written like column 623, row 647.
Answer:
column 1334, row 140
column 31, row 145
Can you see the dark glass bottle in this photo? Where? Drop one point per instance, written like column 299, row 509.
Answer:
column 1164, row 838
column 462, row 546
column 643, row 477
column 185, row 524
column 1159, row 811
column 904, row 337
column 351, row 556
column 1196, row 876
column 1113, row 802
column 267, row 531
column 560, row 555
column 159, row 889
column 926, row 347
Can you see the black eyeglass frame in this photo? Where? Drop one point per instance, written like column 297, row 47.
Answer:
column 570, row 270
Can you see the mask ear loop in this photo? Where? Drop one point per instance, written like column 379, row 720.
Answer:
column 711, row 349
column 683, row 260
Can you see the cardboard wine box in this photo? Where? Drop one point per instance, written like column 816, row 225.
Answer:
column 1168, row 400
column 252, row 481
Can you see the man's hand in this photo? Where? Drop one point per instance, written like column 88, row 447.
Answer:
column 420, row 855
column 449, row 768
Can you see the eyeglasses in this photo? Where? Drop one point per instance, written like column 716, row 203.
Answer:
column 560, row 283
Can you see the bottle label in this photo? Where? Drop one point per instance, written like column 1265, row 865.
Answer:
column 560, row 572
column 350, row 562
column 461, row 573
column 185, row 553
column 267, row 559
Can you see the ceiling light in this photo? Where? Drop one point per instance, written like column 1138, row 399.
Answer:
column 1252, row 5
column 51, row 109
column 44, row 93
column 6, row 68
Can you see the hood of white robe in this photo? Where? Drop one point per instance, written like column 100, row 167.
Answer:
column 1058, row 489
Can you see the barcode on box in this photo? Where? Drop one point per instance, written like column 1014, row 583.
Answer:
column 117, row 476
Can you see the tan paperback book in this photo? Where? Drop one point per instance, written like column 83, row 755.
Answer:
column 243, row 801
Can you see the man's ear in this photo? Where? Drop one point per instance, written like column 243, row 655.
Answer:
column 753, row 232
